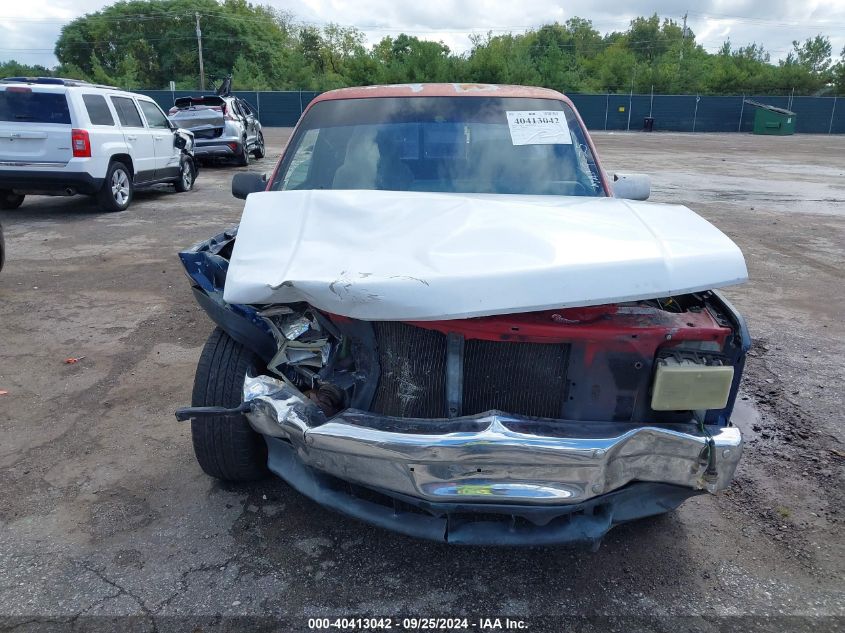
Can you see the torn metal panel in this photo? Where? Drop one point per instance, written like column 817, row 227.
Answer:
column 301, row 342
column 388, row 255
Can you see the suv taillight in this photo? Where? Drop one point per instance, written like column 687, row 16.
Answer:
column 80, row 143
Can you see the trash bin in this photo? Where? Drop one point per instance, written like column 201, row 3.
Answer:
column 648, row 124
column 769, row 119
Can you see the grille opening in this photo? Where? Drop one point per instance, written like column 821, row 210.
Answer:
column 413, row 371
column 520, row 378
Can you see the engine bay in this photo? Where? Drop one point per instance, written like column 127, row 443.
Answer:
column 592, row 363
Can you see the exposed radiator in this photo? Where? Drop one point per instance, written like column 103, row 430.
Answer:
column 521, row 378
column 413, row 371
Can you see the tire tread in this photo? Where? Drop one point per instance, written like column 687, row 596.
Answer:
column 226, row 448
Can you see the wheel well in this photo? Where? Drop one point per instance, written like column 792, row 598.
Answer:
column 126, row 159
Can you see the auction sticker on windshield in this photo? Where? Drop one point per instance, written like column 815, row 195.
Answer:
column 543, row 127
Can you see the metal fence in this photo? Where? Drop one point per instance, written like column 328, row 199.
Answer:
column 675, row 113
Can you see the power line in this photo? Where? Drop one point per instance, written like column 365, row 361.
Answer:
column 777, row 23
column 382, row 27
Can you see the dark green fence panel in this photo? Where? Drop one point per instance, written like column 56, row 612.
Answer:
column 671, row 113
column 837, row 123
column 280, row 109
column 718, row 114
column 813, row 114
column 591, row 108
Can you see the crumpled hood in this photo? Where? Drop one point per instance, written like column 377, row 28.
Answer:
column 388, row 255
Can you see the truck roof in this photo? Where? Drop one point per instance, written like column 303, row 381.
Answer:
column 441, row 90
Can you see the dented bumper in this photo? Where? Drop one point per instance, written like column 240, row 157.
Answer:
column 493, row 457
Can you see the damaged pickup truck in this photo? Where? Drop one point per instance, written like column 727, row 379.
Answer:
column 440, row 316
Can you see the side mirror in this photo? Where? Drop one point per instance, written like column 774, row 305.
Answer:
column 631, row 186
column 248, row 182
column 179, row 141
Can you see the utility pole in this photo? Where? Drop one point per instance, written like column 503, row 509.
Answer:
column 199, row 45
column 683, row 37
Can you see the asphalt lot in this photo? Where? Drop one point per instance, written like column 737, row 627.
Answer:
column 103, row 510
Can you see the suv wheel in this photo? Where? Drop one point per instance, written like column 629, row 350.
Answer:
column 227, row 447
column 259, row 151
column 117, row 190
column 185, row 182
column 9, row 200
column 242, row 159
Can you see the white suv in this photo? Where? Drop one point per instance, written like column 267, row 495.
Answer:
column 63, row 137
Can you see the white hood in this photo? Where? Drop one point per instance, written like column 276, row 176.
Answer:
column 387, row 255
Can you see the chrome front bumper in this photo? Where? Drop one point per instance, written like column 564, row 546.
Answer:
column 492, row 457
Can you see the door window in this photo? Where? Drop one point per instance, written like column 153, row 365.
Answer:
column 297, row 175
column 127, row 113
column 98, row 110
column 155, row 117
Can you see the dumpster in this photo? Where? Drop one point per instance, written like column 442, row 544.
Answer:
column 769, row 119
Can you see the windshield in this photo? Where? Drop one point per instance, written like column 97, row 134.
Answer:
column 445, row 144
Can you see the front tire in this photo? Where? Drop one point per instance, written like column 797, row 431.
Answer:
column 9, row 200
column 185, row 182
column 226, row 447
column 118, row 189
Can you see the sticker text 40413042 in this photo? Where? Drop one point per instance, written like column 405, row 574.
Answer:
column 546, row 127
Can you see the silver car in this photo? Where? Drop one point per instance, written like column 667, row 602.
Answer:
column 223, row 127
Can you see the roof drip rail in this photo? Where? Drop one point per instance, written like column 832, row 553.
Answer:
column 55, row 81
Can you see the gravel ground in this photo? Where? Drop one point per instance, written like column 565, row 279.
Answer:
column 104, row 512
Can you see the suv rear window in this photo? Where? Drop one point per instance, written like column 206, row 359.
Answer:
column 98, row 110
column 22, row 105
column 127, row 112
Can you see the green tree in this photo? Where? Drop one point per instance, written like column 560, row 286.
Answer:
column 147, row 43
column 814, row 54
column 159, row 35
column 838, row 73
column 407, row 59
column 502, row 59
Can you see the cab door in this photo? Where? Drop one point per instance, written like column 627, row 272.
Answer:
column 249, row 121
column 167, row 155
column 137, row 136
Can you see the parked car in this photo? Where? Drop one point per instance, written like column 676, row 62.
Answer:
column 62, row 137
column 223, row 126
column 441, row 316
